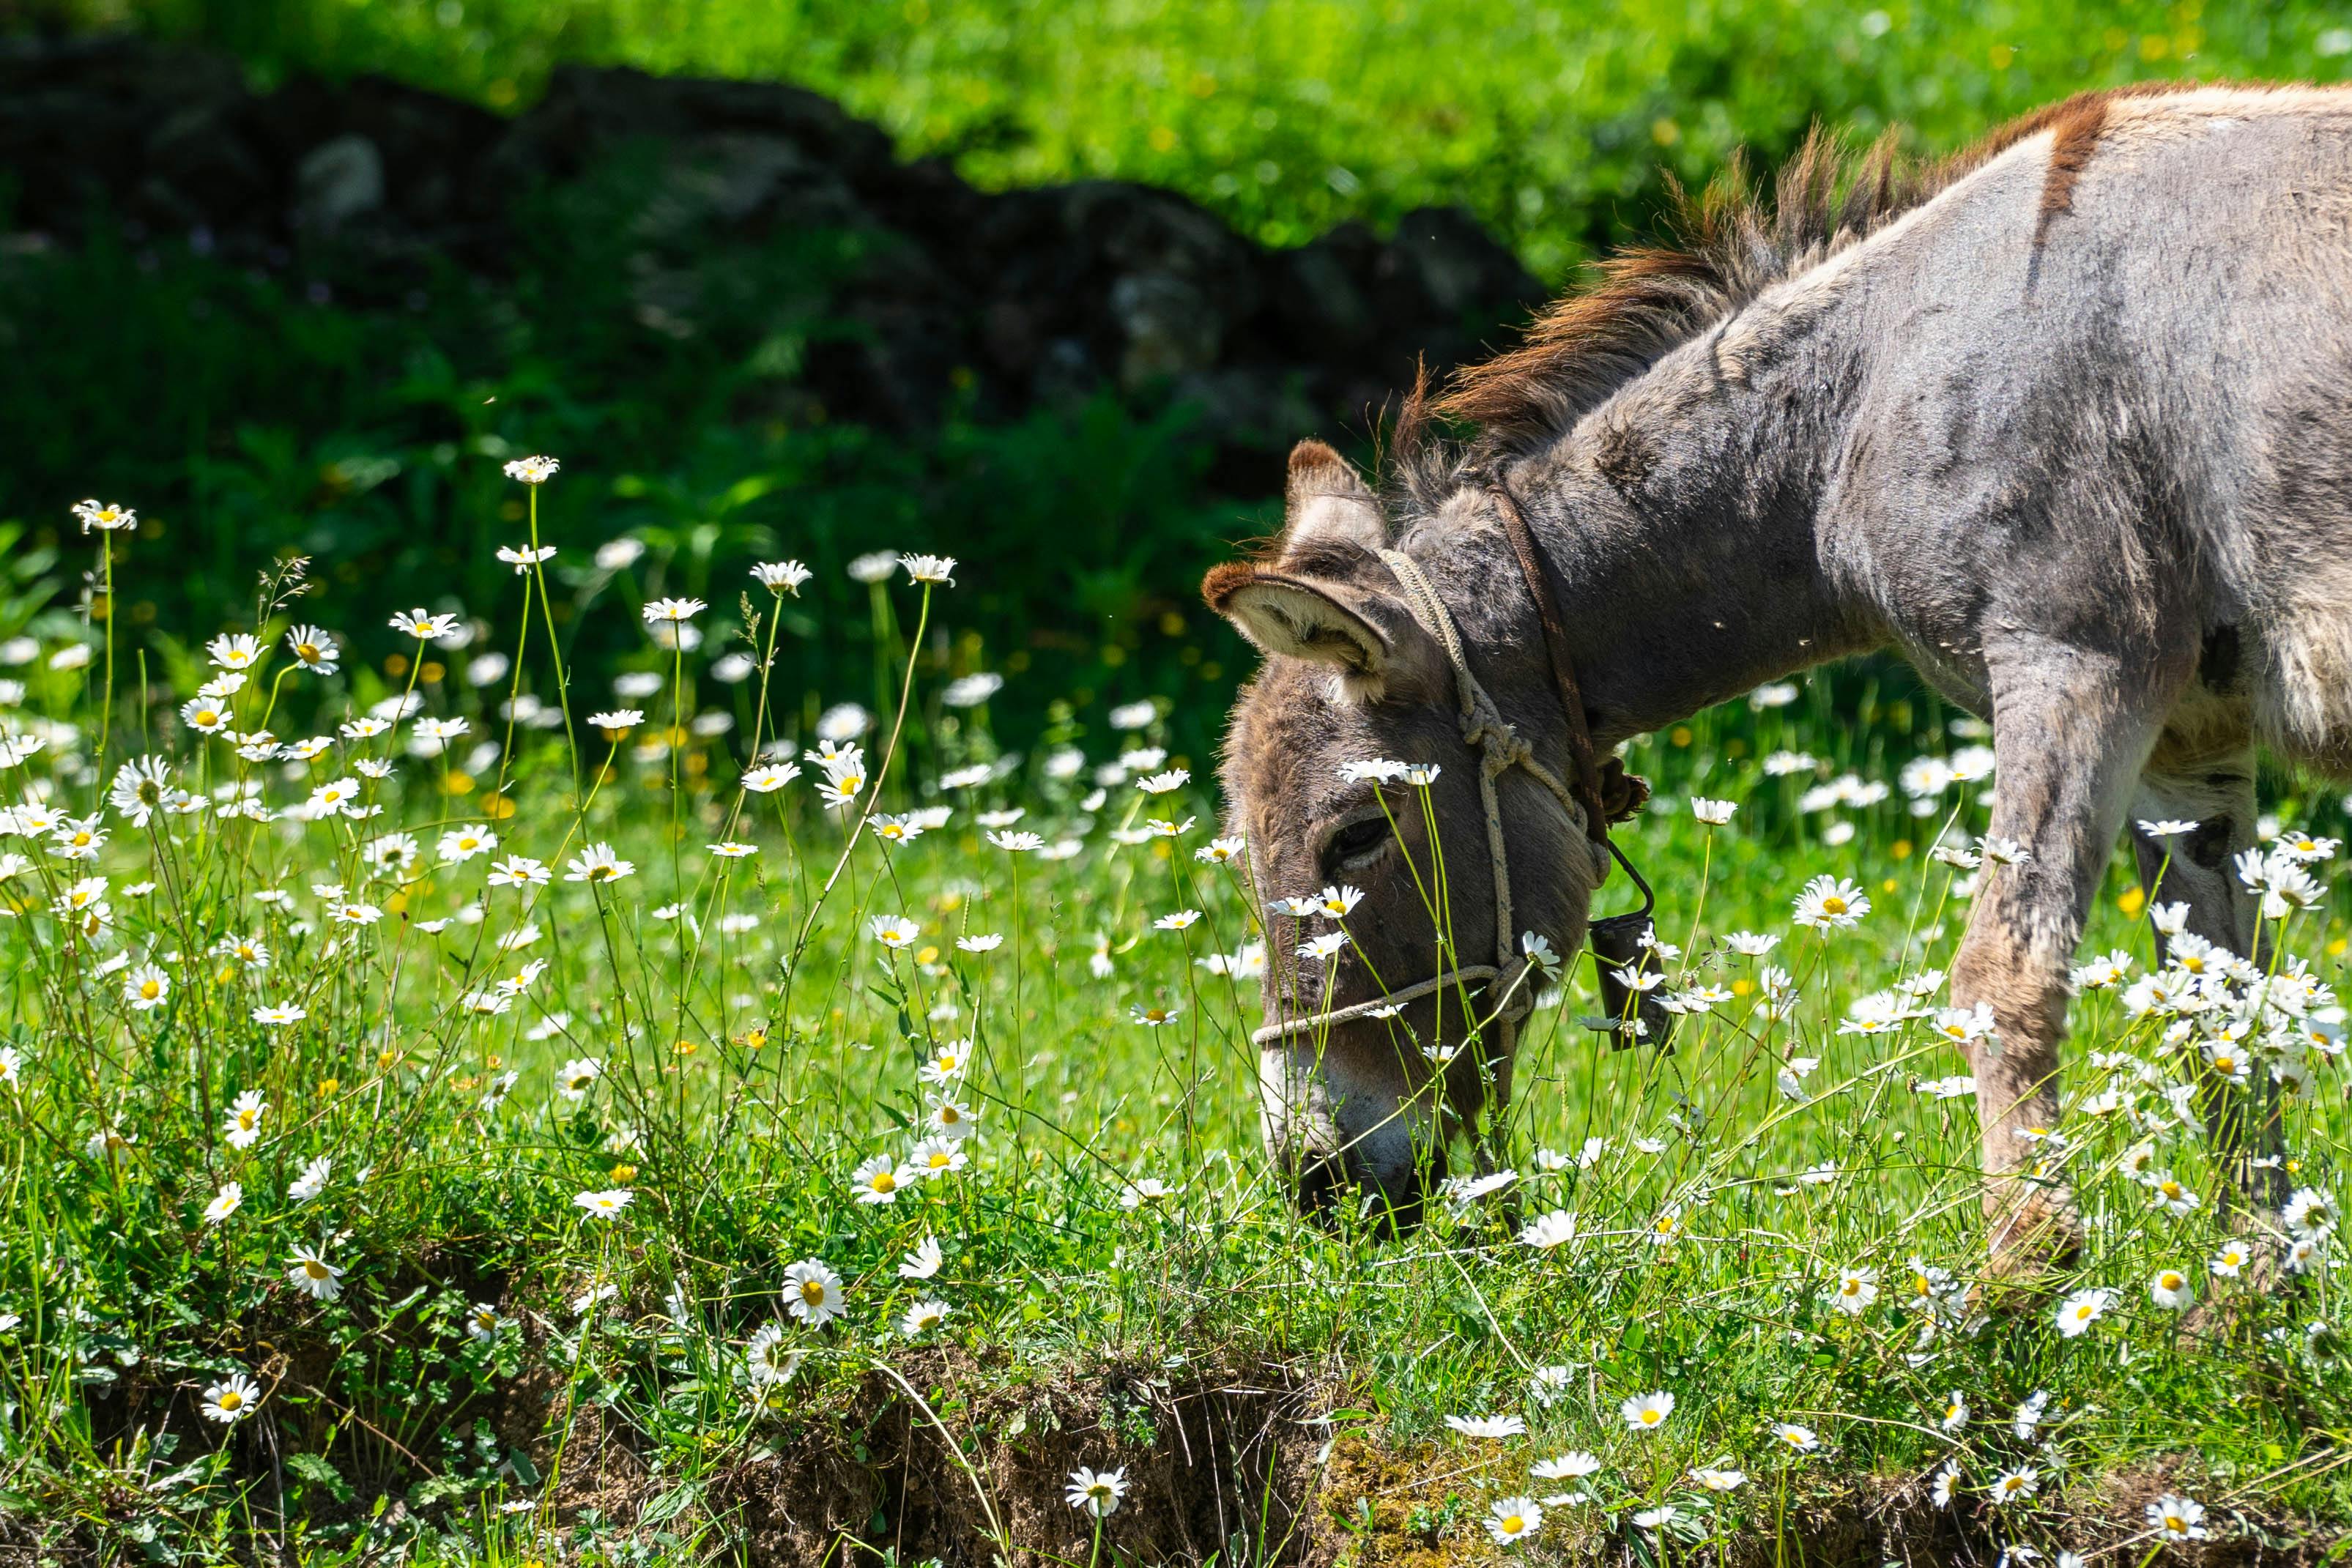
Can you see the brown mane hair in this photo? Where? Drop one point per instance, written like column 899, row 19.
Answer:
column 1731, row 244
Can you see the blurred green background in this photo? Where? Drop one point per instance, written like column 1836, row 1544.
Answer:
column 355, row 432
column 1550, row 121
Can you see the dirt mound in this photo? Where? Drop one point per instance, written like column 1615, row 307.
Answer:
column 1214, row 1466
column 1242, row 1469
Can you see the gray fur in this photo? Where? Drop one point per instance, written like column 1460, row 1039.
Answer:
column 2056, row 457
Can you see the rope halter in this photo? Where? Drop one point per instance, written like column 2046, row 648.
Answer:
column 1499, row 747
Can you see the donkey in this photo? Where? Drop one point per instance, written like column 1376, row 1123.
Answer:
column 2060, row 418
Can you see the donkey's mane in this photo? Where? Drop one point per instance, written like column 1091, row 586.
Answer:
column 1731, row 243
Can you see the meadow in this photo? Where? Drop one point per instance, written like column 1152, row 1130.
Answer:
column 631, row 1011
column 475, row 1115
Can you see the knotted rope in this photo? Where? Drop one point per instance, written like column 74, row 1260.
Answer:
column 1499, row 747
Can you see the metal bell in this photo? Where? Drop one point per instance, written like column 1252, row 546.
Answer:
column 1629, row 943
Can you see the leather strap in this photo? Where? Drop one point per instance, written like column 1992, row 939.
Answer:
column 1583, row 757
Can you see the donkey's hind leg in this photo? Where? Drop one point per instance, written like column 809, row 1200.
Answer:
column 2212, row 786
column 2072, row 727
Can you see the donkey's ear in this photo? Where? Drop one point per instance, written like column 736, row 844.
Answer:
column 1328, row 502
column 1374, row 641
column 1294, row 616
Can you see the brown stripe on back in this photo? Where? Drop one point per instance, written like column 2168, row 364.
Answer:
column 2074, row 125
column 1734, row 241
column 2072, row 141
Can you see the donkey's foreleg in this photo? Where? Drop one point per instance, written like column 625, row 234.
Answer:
column 2214, row 788
column 2070, row 732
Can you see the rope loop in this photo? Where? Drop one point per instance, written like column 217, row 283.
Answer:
column 1517, row 998
column 1500, row 748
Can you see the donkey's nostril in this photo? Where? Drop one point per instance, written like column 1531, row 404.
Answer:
column 1320, row 1181
column 1390, row 1203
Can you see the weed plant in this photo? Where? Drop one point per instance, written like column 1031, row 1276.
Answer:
column 417, row 1084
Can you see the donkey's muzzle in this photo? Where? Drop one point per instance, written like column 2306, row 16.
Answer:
column 1331, row 1187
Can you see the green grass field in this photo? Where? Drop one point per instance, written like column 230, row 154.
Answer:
column 376, row 1192
column 509, row 1151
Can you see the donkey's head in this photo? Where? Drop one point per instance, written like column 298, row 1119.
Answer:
column 1352, row 676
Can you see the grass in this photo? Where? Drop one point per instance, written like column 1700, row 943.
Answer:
column 504, row 1377
column 501, row 1373
column 265, row 421
column 370, row 439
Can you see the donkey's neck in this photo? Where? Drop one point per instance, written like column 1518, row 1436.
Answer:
column 1681, row 519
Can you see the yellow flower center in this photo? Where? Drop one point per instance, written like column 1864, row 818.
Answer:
column 1833, row 905
column 314, row 1268
column 231, row 1399
column 884, row 1182
column 1513, row 1524
column 812, row 1293
column 1649, row 1417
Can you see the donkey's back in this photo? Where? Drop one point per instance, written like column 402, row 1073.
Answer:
column 2118, row 358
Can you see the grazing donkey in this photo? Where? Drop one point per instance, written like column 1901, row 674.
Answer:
column 2061, row 418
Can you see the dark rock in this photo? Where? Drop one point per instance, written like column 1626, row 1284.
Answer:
column 932, row 292
column 338, row 180
column 587, row 110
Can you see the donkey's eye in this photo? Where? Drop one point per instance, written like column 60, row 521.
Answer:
column 1356, row 842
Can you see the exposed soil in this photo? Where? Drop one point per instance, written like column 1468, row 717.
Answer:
column 1238, row 1468
column 968, row 1464
column 1215, row 1466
